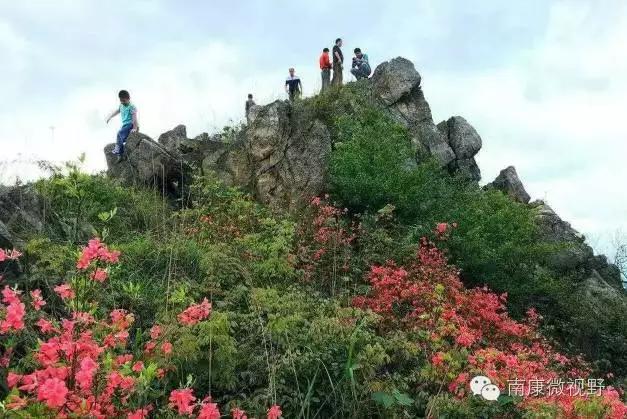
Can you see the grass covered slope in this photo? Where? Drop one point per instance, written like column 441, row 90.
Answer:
column 359, row 305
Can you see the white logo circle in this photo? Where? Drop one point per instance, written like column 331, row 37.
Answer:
column 477, row 383
column 490, row 392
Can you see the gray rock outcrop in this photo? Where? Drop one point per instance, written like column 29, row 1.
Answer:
column 509, row 183
column 150, row 164
column 465, row 143
column 572, row 254
column 281, row 154
column 396, row 83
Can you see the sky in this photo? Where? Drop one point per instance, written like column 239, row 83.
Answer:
column 543, row 82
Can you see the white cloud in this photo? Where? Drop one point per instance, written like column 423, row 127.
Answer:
column 555, row 113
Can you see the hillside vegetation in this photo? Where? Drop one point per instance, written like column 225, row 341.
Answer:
column 382, row 298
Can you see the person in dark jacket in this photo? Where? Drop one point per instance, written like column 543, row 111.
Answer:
column 293, row 86
column 249, row 104
column 361, row 66
column 338, row 63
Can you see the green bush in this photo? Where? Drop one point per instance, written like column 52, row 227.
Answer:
column 79, row 205
column 495, row 241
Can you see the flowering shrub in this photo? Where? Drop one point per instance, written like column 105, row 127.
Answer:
column 324, row 249
column 82, row 366
column 464, row 332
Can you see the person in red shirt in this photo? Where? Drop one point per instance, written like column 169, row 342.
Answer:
column 325, row 67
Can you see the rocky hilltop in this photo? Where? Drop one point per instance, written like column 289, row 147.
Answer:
column 280, row 156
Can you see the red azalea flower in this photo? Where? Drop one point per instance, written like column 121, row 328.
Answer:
column 166, row 348
column 195, row 313
column 237, row 413
column 38, row 302
column 209, row 411
column 274, row 412
column 64, row 291
column 53, row 392
column 182, row 400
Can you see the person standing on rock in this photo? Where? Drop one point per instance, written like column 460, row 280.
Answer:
column 249, row 104
column 361, row 67
column 128, row 115
column 293, row 86
column 338, row 63
column 325, row 68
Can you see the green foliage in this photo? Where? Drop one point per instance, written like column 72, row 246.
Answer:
column 495, row 241
column 209, row 352
column 272, row 336
column 79, row 206
column 372, row 171
column 444, row 406
column 369, row 166
column 269, row 249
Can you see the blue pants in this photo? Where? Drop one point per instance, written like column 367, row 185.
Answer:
column 123, row 134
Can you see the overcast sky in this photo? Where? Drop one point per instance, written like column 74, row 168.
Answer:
column 543, row 82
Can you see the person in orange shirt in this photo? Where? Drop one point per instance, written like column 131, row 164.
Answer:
column 325, row 68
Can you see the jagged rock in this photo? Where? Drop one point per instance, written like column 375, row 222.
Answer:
column 465, row 143
column 148, row 163
column 467, row 168
column 572, row 255
column 601, row 298
column 397, row 84
column 462, row 137
column 230, row 163
column 608, row 271
column 287, row 152
column 172, row 139
column 572, row 252
column 509, row 183
column 394, row 79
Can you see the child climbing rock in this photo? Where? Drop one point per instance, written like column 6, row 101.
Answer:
column 128, row 115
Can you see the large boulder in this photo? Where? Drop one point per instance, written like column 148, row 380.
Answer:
column 394, row 79
column 287, row 150
column 509, row 183
column 147, row 163
column 466, row 168
column 397, row 84
column 462, row 137
column 172, row 139
column 465, row 142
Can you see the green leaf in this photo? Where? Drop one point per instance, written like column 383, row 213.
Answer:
column 384, row 399
column 403, row 399
column 505, row 399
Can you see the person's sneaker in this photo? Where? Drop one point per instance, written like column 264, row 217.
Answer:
column 115, row 151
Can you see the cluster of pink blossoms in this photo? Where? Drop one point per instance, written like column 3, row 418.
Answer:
column 15, row 311
column 9, row 255
column 183, row 401
column 469, row 332
column 78, row 373
column 94, row 251
column 195, row 313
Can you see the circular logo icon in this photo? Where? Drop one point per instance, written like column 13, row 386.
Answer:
column 482, row 386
